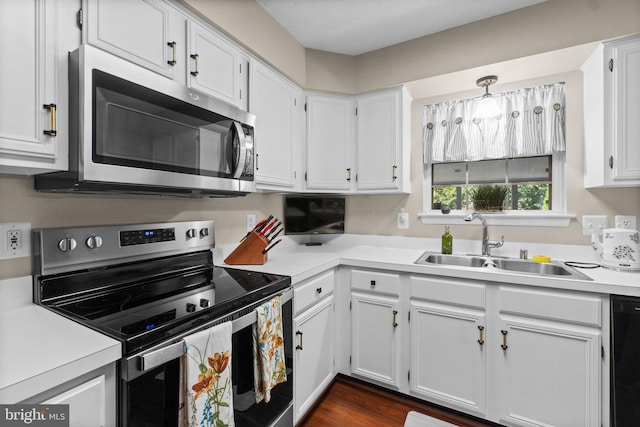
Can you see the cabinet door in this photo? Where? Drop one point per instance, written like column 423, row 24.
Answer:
column 448, row 356
column 28, row 132
column 314, row 359
column 214, row 64
column 86, row 403
column 276, row 104
column 138, row 30
column 626, row 110
column 378, row 136
column 375, row 337
column 330, row 143
column 548, row 374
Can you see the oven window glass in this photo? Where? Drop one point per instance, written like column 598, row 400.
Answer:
column 153, row 398
column 138, row 127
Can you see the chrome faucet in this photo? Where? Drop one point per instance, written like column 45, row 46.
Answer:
column 486, row 243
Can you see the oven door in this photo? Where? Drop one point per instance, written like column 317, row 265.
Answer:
column 150, row 387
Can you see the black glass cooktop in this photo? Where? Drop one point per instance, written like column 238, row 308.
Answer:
column 144, row 303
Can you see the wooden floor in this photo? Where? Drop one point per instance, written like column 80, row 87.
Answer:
column 352, row 403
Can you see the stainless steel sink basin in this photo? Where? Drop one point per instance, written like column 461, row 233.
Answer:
column 521, row 266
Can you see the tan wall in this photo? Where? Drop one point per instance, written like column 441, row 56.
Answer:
column 565, row 23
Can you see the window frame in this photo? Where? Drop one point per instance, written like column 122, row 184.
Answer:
column 557, row 217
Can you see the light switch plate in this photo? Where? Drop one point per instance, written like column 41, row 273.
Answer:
column 251, row 222
column 591, row 223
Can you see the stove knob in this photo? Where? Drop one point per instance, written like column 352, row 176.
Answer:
column 204, row 232
column 93, row 242
column 191, row 307
column 204, row 302
column 67, row 244
column 191, row 233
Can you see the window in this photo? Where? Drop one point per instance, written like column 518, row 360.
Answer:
column 523, row 148
column 528, row 179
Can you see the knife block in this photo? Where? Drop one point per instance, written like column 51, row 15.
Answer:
column 249, row 251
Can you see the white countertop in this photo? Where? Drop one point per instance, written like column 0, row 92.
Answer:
column 40, row 349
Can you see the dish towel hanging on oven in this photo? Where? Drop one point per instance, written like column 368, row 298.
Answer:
column 208, row 382
column 268, row 349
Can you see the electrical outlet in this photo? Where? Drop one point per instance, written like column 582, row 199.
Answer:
column 251, row 222
column 403, row 220
column 593, row 223
column 15, row 239
column 626, row 221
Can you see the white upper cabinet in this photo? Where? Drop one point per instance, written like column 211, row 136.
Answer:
column 611, row 111
column 383, row 141
column 277, row 105
column 330, row 143
column 147, row 32
column 34, row 38
column 216, row 67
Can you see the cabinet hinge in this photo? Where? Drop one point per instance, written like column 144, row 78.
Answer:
column 409, row 316
column 80, row 17
column 356, row 111
column 305, row 106
column 409, row 376
column 305, row 177
column 295, row 102
column 349, row 305
column 602, row 351
column 349, row 360
column 611, row 65
column 611, row 162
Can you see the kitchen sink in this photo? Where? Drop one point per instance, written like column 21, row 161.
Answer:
column 521, row 266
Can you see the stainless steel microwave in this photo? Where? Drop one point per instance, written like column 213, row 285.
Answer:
column 135, row 131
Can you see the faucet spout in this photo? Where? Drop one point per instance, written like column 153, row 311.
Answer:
column 486, row 244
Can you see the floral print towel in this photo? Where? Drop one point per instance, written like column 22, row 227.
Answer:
column 268, row 350
column 209, row 388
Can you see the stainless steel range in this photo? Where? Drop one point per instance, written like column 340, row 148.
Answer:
column 149, row 286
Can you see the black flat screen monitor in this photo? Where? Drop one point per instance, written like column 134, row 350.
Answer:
column 313, row 215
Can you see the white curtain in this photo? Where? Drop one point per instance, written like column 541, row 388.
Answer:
column 531, row 124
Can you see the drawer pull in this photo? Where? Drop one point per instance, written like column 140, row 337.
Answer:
column 504, row 340
column 348, row 174
column 395, row 314
column 393, row 173
column 481, row 339
column 299, row 346
column 373, row 283
column 319, row 290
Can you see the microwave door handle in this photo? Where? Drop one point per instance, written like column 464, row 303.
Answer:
column 238, row 134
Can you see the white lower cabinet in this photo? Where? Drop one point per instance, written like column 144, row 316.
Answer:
column 547, row 353
column 313, row 327
column 91, row 398
column 375, row 322
column 448, row 349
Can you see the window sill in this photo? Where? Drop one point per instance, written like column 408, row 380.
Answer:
column 517, row 219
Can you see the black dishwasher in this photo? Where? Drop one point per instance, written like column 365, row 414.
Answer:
column 625, row 361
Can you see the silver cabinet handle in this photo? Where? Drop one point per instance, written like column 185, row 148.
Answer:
column 195, row 57
column 299, row 346
column 172, row 45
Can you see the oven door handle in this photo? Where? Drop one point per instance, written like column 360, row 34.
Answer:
column 251, row 318
column 161, row 356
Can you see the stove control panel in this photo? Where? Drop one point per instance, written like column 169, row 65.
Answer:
column 58, row 250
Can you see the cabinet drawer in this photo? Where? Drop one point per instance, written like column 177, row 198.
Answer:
column 574, row 308
column 375, row 282
column 456, row 292
column 313, row 290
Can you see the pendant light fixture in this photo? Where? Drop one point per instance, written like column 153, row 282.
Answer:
column 487, row 106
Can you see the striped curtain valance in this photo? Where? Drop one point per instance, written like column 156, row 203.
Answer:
column 531, row 124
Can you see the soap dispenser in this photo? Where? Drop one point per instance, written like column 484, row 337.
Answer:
column 447, row 241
